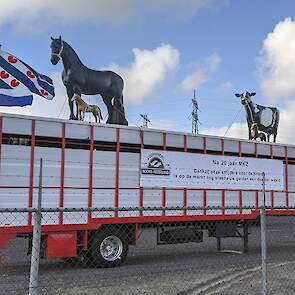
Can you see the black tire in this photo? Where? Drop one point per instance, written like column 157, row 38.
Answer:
column 108, row 236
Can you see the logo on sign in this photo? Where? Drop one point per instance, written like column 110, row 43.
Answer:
column 155, row 165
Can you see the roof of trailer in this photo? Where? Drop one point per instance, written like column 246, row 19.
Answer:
column 47, row 119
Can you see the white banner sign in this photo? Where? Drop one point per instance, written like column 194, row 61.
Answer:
column 187, row 170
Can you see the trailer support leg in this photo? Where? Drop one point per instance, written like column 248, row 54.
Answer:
column 245, row 237
column 218, row 240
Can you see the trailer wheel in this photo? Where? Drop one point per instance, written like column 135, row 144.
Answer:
column 108, row 248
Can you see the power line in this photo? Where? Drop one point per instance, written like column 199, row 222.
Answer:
column 62, row 108
column 146, row 120
column 234, row 119
column 195, row 117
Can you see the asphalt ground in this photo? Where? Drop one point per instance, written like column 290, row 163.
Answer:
column 193, row 268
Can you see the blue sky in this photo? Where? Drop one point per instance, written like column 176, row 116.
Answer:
column 217, row 47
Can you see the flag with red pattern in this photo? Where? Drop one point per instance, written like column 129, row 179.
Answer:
column 18, row 81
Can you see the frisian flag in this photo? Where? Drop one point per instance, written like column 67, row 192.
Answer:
column 18, row 82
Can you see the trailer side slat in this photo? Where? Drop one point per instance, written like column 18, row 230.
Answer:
column 185, row 190
column 141, row 199
column 204, row 201
column 205, row 145
column 62, row 172
column 286, row 177
column 90, row 189
column 164, row 189
column 32, row 161
column 272, row 192
column 222, row 192
column 240, row 149
column 241, row 202
column 141, row 194
column 223, row 201
column 117, row 170
column 1, row 137
column 163, row 200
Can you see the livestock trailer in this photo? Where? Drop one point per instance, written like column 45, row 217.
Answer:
column 122, row 179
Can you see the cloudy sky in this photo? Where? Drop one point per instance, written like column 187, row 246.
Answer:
column 164, row 49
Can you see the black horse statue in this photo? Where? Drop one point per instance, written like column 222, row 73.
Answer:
column 78, row 79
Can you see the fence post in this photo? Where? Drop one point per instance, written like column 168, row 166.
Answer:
column 263, row 239
column 35, row 258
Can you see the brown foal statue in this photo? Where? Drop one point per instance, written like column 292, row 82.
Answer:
column 83, row 107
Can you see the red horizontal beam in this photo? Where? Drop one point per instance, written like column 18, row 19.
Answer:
column 145, row 188
column 97, row 222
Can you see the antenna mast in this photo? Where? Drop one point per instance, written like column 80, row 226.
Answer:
column 195, row 117
column 146, row 120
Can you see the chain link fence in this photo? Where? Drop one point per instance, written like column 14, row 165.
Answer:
column 204, row 257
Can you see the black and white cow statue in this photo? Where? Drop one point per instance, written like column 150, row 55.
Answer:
column 267, row 118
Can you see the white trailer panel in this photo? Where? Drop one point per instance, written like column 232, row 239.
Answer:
column 15, row 165
column 195, row 198
column 152, row 198
column 48, row 128
column 51, row 164
column 14, row 125
column 174, row 198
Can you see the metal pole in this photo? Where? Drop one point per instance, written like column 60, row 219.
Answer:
column 35, row 258
column 263, row 240
column 195, row 117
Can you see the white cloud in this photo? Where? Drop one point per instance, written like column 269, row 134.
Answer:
column 148, row 72
column 276, row 71
column 37, row 14
column 162, row 124
column 167, row 124
column 287, row 123
column 236, row 130
column 225, row 87
column 177, row 9
column 33, row 13
column 276, row 65
column 202, row 74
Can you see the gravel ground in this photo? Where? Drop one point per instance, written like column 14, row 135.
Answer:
column 168, row 269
